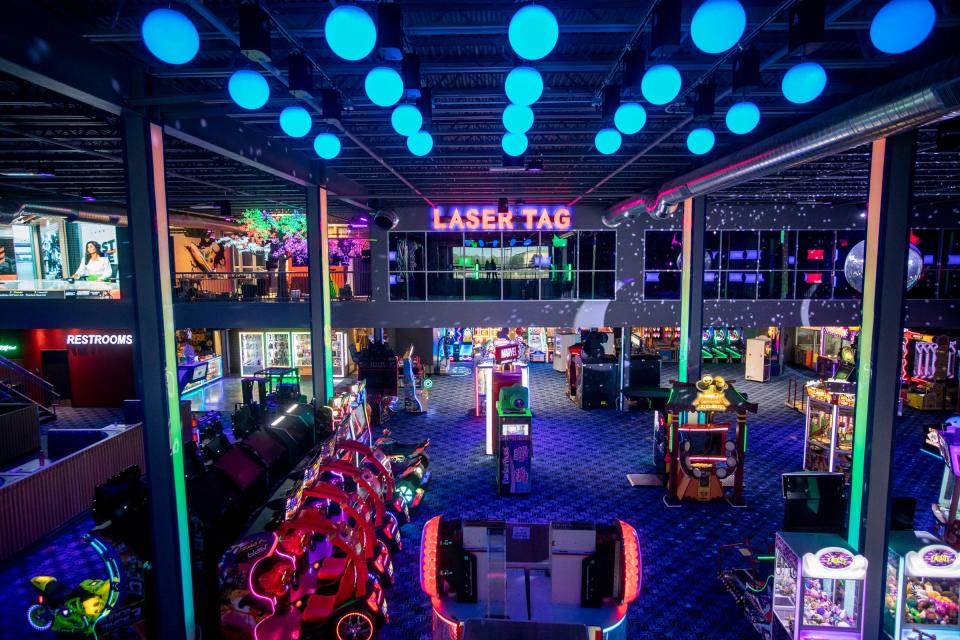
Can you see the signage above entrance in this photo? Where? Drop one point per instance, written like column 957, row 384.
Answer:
column 488, row 218
column 83, row 339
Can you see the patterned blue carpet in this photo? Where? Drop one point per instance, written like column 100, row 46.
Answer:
column 579, row 467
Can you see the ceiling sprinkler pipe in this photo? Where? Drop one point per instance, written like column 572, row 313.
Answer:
column 118, row 217
column 918, row 99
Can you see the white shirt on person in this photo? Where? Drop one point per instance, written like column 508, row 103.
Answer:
column 99, row 267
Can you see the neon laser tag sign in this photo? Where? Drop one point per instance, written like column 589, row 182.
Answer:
column 522, row 218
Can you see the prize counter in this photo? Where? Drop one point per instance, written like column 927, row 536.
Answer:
column 193, row 375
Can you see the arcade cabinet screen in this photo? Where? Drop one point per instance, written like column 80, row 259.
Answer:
column 199, row 373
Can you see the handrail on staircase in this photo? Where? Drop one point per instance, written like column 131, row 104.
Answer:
column 6, row 362
column 33, row 387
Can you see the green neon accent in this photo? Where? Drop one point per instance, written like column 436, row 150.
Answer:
column 569, row 273
column 325, row 274
column 476, row 271
column 559, row 242
column 766, row 558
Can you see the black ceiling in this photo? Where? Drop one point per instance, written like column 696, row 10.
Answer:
column 464, row 59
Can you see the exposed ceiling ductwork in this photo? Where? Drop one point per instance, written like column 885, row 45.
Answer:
column 916, row 100
column 118, row 217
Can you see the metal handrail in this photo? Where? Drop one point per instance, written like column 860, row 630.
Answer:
column 28, row 385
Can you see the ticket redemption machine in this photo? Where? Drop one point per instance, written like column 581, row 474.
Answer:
column 817, row 588
column 493, row 579
column 562, row 341
column 490, row 376
column 514, row 443
column 923, row 583
column 758, row 359
column 537, row 344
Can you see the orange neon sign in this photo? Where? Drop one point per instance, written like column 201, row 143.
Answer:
column 481, row 218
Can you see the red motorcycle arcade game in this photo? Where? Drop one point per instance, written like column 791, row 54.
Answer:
column 492, row 579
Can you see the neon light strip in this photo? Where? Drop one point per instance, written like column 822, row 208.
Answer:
column 325, row 275
column 706, row 458
column 685, row 274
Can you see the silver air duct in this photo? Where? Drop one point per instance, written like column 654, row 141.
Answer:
column 918, row 99
column 118, row 217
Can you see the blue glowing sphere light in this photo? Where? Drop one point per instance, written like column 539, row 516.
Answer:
column 384, row 86
column 517, row 118
column 660, row 84
column 420, row 143
column 902, row 25
column 170, row 36
column 327, row 146
column 533, row 32
column 717, row 25
column 630, row 117
column 350, row 32
column 248, row 89
column 608, row 141
column 743, row 117
column 406, row 119
column 700, row 141
column 804, row 82
column 524, row 86
column 514, row 144
column 295, row 122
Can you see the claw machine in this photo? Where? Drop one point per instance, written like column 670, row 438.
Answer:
column 278, row 349
column 817, row 587
column 923, row 582
column 251, row 352
column 302, row 352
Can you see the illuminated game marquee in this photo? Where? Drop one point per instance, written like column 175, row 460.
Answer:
column 488, row 218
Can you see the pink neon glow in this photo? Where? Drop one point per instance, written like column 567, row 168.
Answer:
column 706, row 458
column 703, row 429
column 253, row 592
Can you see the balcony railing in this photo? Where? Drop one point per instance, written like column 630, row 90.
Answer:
column 267, row 286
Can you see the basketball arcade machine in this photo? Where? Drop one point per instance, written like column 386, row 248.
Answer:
column 489, row 377
column 701, row 456
column 929, row 364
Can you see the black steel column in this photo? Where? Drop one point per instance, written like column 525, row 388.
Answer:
column 691, row 287
column 318, row 251
column 878, row 368
column 156, row 372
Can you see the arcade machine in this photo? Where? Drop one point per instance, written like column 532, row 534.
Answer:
column 414, row 395
column 593, row 375
column 728, row 344
column 707, row 350
column 490, row 578
column 945, row 510
column 490, row 376
column 377, row 367
column 837, row 348
column 828, row 436
column 817, row 587
column 513, row 440
column 776, row 350
column 537, row 344
column 929, row 364
column 563, row 339
column 923, row 588
column 758, row 360
column 466, row 341
column 701, row 454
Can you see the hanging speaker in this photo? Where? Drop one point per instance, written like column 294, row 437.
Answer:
column 611, row 101
column 746, row 70
column 703, row 102
column 665, row 29
column 634, row 66
column 254, row 33
column 410, row 72
column 300, row 76
column 425, row 104
column 806, row 26
column 330, row 104
column 390, row 31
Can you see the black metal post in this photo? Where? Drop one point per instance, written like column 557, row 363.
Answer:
column 878, row 369
column 320, row 338
column 691, row 294
column 156, row 373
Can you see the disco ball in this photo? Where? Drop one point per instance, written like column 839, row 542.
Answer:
column 707, row 261
column 853, row 266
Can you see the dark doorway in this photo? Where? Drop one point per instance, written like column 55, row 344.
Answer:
column 56, row 370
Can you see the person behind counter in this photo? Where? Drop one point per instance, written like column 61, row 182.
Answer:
column 95, row 265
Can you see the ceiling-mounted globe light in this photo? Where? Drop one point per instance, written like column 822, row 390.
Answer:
column 803, row 82
column 295, row 121
column 533, row 32
column 630, row 117
column 743, row 117
column 514, row 144
column 517, row 118
column 350, row 32
column 608, row 141
column 327, row 146
column 406, row 119
column 420, row 143
column 661, row 84
column 524, row 86
column 248, row 89
column 384, row 86
column 902, row 25
column 170, row 36
column 717, row 25
column 700, row 141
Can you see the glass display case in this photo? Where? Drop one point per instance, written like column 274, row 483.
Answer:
column 338, row 354
column 922, row 586
column 251, row 353
column 825, row 588
column 277, row 349
column 828, row 438
column 302, row 353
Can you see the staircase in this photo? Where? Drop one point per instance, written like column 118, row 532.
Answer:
column 19, row 385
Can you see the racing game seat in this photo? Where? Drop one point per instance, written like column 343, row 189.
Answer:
column 320, row 607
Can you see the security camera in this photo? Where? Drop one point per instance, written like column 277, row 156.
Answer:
column 386, row 219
